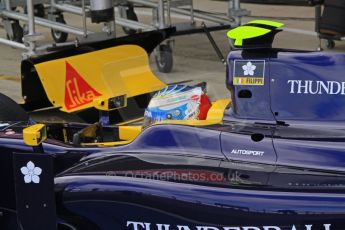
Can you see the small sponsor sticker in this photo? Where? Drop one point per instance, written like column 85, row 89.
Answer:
column 31, row 173
column 247, row 152
column 77, row 91
column 249, row 72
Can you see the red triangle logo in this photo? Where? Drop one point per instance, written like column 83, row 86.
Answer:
column 77, row 91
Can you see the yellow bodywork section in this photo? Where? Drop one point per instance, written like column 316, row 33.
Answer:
column 89, row 80
column 216, row 112
column 128, row 133
column 35, row 135
column 106, row 144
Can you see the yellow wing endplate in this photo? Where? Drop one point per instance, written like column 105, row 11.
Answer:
column 98, row 79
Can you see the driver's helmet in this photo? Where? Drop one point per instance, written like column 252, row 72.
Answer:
column 177, row 102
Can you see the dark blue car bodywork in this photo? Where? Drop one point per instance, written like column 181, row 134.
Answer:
column 276, row 162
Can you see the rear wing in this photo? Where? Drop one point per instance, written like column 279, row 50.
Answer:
column 38, row 94
column 98, row 79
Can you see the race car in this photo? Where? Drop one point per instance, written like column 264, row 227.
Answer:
column 271, row 157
